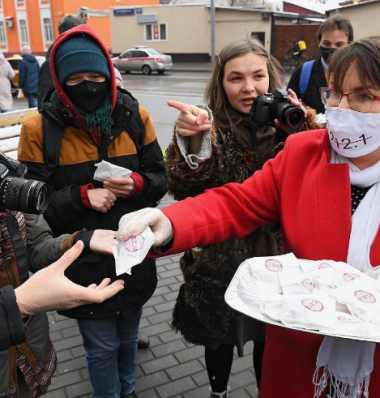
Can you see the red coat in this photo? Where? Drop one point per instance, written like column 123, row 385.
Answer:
column 312, row 200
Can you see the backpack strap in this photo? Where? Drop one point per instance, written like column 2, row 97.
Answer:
column 51, row 142
column 305, row 76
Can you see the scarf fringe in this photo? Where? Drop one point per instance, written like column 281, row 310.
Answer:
column 100, row 120
column 338, row 389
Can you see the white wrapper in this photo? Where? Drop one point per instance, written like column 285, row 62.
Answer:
column 315, row 311
column 106, row 170
column 303, row 283
column 265, row 270
column 360, row 296
column 132, row 251
column 349, row 325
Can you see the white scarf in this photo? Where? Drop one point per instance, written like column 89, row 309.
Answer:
column 349, row 363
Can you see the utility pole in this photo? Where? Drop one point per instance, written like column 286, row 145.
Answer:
column 212, row 12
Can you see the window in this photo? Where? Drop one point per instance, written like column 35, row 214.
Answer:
column 24, row 36
column 155, row 32
column 126, row 55
column 3, row 39
column 48, row 30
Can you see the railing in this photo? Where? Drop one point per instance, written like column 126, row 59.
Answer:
column 10, row 127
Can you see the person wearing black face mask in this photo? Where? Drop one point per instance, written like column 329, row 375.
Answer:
column 336, row 32
column 96, row 122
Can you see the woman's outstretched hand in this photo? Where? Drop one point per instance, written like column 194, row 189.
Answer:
column 191, row 119
column 49, row 289
column 133, row 224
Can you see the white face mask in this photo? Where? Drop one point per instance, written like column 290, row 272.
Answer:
column 353, row 134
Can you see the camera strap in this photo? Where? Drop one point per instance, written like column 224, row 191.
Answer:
column 51, row 140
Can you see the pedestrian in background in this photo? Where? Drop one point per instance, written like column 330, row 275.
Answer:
column 6, row 75
column 45, row 81
column 97, row 122
column 200, row 158
column 28, row 77
column 335, row 32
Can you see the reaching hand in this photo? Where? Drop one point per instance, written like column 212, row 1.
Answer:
column 132, row 224
column 296, row 102
column 191, row 120
column 49, row 289
column 103, row 240
column 101, row 199
column 121, row 187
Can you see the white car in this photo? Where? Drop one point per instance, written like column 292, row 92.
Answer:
column 141, row 58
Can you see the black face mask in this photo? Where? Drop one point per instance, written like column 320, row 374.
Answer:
column 88, row 96
column 326, row 53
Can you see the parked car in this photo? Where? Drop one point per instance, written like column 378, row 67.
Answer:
column 15, row 61
column 142, row 58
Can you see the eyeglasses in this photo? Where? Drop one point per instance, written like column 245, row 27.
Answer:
column 360, row 102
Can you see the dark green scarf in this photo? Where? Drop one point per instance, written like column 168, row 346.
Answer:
column 101, row 120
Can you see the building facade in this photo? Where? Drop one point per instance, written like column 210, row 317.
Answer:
column 364, row 17
column 184, row 31
column 35, row 22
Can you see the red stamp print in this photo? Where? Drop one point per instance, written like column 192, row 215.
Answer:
column 312, row 305
column 365, row 297
column 324, row 265
column 134, row 244
column 273, row 265
column 349, row 276
column 347, row 319
column 309, row 284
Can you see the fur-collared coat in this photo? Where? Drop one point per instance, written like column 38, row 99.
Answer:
column 200, row 313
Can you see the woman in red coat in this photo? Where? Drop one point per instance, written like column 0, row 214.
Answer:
column 324, row 188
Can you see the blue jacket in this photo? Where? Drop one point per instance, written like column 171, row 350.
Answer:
column 28, row 79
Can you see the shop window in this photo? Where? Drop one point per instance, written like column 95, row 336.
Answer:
column 155, row 32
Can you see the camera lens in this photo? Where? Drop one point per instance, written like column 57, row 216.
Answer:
column 294, row 117
column 28, row 196
column 289, row 114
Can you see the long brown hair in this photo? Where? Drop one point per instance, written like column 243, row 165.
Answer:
column 366, row 55
column 215, row 96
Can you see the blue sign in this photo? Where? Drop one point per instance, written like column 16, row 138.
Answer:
column 138, row 10
column 123, row 11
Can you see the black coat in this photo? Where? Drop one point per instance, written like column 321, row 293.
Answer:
column 12, row 329
column 312, row 96
column 67, row 213
column 28, row 79
column 45, row 80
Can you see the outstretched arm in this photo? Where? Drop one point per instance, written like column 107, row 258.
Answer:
column 49, row 289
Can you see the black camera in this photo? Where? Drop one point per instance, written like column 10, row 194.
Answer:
column 28, row 196
column 270, row 106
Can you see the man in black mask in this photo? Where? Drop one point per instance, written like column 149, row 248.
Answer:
column 336, row 32
column 94, row 121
